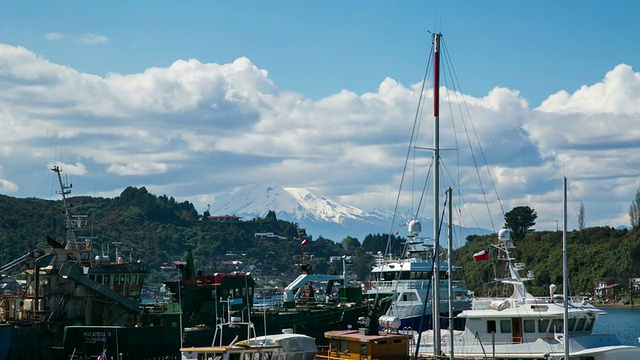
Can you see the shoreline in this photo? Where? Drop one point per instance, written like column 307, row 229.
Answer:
column 617, row 306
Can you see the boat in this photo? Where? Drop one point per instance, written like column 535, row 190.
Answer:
column 526, row 327
column 285, row 346
column 409, row 280
column 62, row 300
column 206, row 300
column 361, row 345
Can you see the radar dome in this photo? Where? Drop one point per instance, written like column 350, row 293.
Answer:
column 414, row 228
column 504, row 234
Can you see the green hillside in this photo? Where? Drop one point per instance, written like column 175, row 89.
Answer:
column 158, row 230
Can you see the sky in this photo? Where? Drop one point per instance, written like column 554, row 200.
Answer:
column 195, row 99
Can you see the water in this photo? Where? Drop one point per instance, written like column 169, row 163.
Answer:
column 625, row 323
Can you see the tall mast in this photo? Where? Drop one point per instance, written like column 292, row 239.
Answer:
column 449, row 267
column 436, row 194
column 565, row 272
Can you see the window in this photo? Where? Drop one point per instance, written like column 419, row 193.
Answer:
column 543, row 325
column 572, row 322
column 580, row 324
column 589, row 324
column 491, row 326
column 529, row 326
column 556, row 326
column 344, row 346
column 363, row 349
column 505, row 326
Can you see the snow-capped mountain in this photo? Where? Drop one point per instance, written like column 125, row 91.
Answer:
column 321, row 216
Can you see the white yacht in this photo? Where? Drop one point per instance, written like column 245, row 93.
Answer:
column 410, row 281
column 526, row 327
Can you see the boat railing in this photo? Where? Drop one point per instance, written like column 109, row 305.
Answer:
column 394, row 285
column 539, row 303
column 400, row 285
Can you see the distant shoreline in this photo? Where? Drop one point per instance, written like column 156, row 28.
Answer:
column 617, row 305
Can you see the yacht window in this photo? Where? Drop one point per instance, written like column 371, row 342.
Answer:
column 405, row 275
column 580, row 324
column 363, row 349
column 491, row 326
column 107, row 280
column 409, row 297
column 543, row 325
column 556, row 326
column 235, row 356
column 589, row 324
column 505, row 326
column 572, row 322
column 529, row 326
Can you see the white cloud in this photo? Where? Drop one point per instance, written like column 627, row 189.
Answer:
column 53, row 36
column 92, row 39
column 193, row 130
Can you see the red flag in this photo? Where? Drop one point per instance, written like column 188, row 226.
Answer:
column 305, row 241
column 481, row 255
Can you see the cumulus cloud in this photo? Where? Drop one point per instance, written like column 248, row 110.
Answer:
column 193, row 129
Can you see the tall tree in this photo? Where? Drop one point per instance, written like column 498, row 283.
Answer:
column 634, row 211
column 520, row 220
column 581, row 217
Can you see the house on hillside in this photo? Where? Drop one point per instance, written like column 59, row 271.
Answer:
column 604, row 290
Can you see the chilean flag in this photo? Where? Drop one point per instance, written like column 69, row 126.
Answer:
column 305, row 241
column 481, row 255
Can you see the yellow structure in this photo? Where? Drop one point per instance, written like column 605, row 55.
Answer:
column 355, row 345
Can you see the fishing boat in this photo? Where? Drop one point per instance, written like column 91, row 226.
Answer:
column 68, row 299
column 286, row 346
column 526, row 327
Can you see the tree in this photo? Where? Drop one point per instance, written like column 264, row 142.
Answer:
column 634, row 211
column 520, row 220
column 350, row 244
column 581, row 217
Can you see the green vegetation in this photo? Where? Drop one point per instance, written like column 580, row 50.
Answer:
column 594, row 254
column 158, row 230
column 520, row 220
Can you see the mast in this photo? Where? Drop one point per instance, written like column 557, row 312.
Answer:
column 449, row 268
column 436, row 194
column 565, row 272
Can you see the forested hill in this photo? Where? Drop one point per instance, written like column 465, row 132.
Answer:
column 594, row 254
column 159, row 230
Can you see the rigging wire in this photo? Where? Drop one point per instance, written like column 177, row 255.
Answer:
column 414, row 133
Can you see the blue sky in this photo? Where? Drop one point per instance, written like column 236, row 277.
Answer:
column 107, row 89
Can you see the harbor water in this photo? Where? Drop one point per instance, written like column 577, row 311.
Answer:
column 625, row 323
